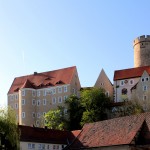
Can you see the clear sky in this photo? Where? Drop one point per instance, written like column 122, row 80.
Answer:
column 44, row 35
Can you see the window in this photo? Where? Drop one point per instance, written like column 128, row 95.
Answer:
column 65, row 88
column 121, row 83
column 65, row 111
column 44, row 101
column 38, row 115
column 60, row 99
column 33, row 102
column 37, row 123
column 44, row 113
column 23, row 114
column 16, row 105
column 54, row 100
column 131, row 82
column 33, row 114
column 107, row 93
column 44, row 93
column 23, row 92
column 38, row 93
column 16, row 97
column 124, row 91
column 101, row 84
column 74, row 91
column 38, row 102
column 144, row 97
column 23, row 101
column 147, row 78
column 145, row 88
column 65, row 97
column 33, row 93
column 60, row 90
column 54, row 91
column 142, row 79
column 31, row 146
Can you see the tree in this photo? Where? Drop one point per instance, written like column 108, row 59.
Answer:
column 55, row 119
column 95, row 103
column 9, row 129
column 75, row 111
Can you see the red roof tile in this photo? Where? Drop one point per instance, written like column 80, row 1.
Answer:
column 43, row 135
column 130, row 73
column 118, row 131
column 44, row 79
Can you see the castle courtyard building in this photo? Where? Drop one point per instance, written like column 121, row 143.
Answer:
column 31, row 96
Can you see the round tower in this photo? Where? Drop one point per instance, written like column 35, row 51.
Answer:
column 141, row 47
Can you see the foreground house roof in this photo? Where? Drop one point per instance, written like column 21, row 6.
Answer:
column 44, row 135
column 44, row 79
column 118, row 131
column 130, row 73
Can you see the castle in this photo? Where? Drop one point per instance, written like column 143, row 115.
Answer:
column 31, row 96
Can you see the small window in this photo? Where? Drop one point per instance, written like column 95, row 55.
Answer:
column 44, row 113
column 44, row 101
column 101, row 84
column 38, row 93
column 65, row 89
column 60, row 90
column 60, row 99
column 145, row 88
column 23, row 114
column 122, row 83
column 73, row 91
column 33, row 102
column 54, row 100
column 54, row 91
column 65, row 97
column 144, row 97
column 38, row 102
column 142, row 80
column 107, row 93
column 33, row 114
column 44, row 93
column 16, row 97
column 131, row 82
column 33, row 93
column 23, row 92
column 124, row 91
column 147, row 79
column 23, row 101
column 16, row 105
column 65, row 111
column 38, row 115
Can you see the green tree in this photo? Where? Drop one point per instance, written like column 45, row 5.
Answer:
column 9, row 129
column 95, row 103
column 55, row 119
column 75, row 111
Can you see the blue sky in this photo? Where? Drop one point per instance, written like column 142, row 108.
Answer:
column 44, row 35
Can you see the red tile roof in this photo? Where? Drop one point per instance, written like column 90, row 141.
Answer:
column 44, row 79
column 130, row 73
column 43, row 135
column 118, row 131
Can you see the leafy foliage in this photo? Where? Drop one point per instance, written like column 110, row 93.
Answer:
column 75, row 111
column 55, row 119
column 95, row 103
column 9, row 128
